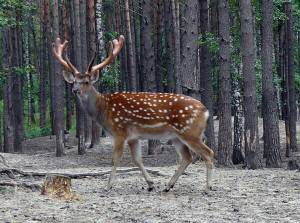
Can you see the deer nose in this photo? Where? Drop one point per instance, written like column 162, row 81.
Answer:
column 75, row 91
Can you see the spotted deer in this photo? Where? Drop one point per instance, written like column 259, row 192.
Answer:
column 130, row 116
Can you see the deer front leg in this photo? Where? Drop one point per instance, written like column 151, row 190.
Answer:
column 137, row 159
column 116, row 158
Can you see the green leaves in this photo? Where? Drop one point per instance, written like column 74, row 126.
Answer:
column 111, row 78
column 211, row 41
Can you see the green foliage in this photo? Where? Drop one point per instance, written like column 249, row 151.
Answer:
column 111, row 78
column 9, row 9
column 211, row 41
column 36, row 131
column 109, row 36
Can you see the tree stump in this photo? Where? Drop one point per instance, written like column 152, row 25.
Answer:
column 58, row 186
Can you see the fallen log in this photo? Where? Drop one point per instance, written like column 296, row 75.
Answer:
column 31, row 186
column 74, row 175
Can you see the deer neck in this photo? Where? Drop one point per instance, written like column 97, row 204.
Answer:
column 93, row 103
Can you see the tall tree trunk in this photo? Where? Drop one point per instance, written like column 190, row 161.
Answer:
column 84, row 61
column 43, row 69
column 78, row 61
column 225, row 136
column 189, row 48
column 205, row 74
column 158, row 44
column 59, row 91
column 96, row 129
column 17, row 87
column 250, row 110
column 148, row 59
column 8, row 121
column 177, row 44
column 130, row 50
column 66, row 23
column 170, row 48
column 291, row 115
column 47, row 14
column 269, row 111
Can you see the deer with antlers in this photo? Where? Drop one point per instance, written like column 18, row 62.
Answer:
column 129, row 117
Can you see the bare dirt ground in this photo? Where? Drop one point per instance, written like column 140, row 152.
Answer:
column 239, row 195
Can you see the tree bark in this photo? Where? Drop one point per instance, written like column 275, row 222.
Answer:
column 189, row 48
column 269, row 109
column 130, row 50
column 205, row 75
column 291, row 113
column 58, row 94
column 250, row 110
column 177, row 44
column 96, row 130
column 170, row 48
column 43, row 69
column 78, row 59
column 225, row 136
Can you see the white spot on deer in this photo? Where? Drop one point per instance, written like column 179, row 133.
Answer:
column 176, row 99
column 159, row 100
column 180, row 111
column 191, row 106
column 116, row 119
column 181, row 97
column 114, row 105
column 170, row 103
column 186, row 108
column 167, row 117
column 113, row 109
column 165, row 111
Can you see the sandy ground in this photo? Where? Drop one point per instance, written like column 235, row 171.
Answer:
column 266, row 195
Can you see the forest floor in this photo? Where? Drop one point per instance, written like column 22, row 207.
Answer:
column 239, row 195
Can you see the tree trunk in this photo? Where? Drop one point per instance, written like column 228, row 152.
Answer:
column 225, row 136
column 148, row 59
column 58, row 94
column 8, row 121
column 78, row 62
column 130, row 50
column 176, row 42
column 205, row 75
column 17, row 88
column 96, row 129
column 250, row 110
column 189, row 48
column 158, row 45
column 269, row 109
column 170, row 48
column 43, row 69
column 47, row 14
column 66, row 23
column 291, row 113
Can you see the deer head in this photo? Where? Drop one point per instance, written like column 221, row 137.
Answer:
column 82, row 82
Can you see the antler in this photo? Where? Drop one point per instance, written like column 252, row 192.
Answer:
column 58, row 49
column 114, row 50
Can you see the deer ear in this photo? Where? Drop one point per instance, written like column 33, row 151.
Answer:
column 95, row 77
column 69, row 77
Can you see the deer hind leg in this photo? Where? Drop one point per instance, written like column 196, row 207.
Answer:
column 137, row 159
column 186, row 158
column 205, row 152
column 116, row 158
